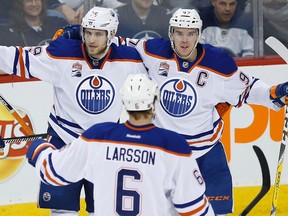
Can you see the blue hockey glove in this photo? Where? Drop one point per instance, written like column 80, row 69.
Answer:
column 279, row 94
column 35, row 150
column 2, row 144
column 71, row 31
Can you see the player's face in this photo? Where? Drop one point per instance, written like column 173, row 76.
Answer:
column 96, row 42
column 184, row 40
column 32, row 8
column 224, row 10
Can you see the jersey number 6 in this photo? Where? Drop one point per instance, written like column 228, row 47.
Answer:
column 131, row 198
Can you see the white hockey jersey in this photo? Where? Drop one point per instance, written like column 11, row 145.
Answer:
column 135, row 170
column 234, row 40
column 86, row 92
column 189, row 91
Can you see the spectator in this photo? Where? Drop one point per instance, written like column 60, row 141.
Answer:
column 142, row 19
column 53, row 9
column 77, row 6
column 174, row 5
column 31, row 26
column 109, row 3
column 73, row 11
column 129, row 163
column 5, row 17
column 228, row 28
column 275, row 22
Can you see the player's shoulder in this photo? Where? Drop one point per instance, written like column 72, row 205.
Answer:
column 64, row 48
column 217, row 60
column 124, row 52
column 158, row 47
column 97, row 131
column 170, row 141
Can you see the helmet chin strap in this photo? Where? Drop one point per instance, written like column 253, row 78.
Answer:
column 101, row 56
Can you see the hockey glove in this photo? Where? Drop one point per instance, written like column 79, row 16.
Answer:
column 35, row 150
column 2, row 144
column 71, row 31
column 279, row 94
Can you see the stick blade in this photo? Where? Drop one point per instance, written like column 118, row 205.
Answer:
column 278, row 47
column 266, row 181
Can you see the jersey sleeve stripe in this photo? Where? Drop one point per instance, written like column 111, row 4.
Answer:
column 16, row 59
column 21, row 62
column 213, row 138
column 40, row 148
column 49, row 174
column 197, row 210
column 54, row 120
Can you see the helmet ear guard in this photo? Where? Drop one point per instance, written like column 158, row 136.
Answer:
column 139, row 92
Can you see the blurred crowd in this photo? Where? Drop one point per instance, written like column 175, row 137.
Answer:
column 227, row 24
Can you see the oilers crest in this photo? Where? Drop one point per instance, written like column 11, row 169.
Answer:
column 178, row 97
column 95, row 94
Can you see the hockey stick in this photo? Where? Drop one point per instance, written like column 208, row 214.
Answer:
column 25, row 138
column 25, row 127
column 266, row 182
column 280, row 164
column 278, row 47
column 282, row 51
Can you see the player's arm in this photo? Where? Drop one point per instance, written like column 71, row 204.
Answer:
column 260, row 93
column 26, row 62
column 240, row 88
column 189, row 194
column 58, row 167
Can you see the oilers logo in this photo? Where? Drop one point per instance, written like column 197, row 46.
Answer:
column 95, row 94
column 178, row 97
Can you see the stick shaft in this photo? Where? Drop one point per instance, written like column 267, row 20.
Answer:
column 280, row 165
column 25, row 127
column 282, row 51
column 25, row 138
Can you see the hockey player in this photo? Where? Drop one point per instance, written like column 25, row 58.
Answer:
column 87, row 76
column 136, row 168
column 194, row 79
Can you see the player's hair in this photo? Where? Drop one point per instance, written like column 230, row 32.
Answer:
column 138, row 114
